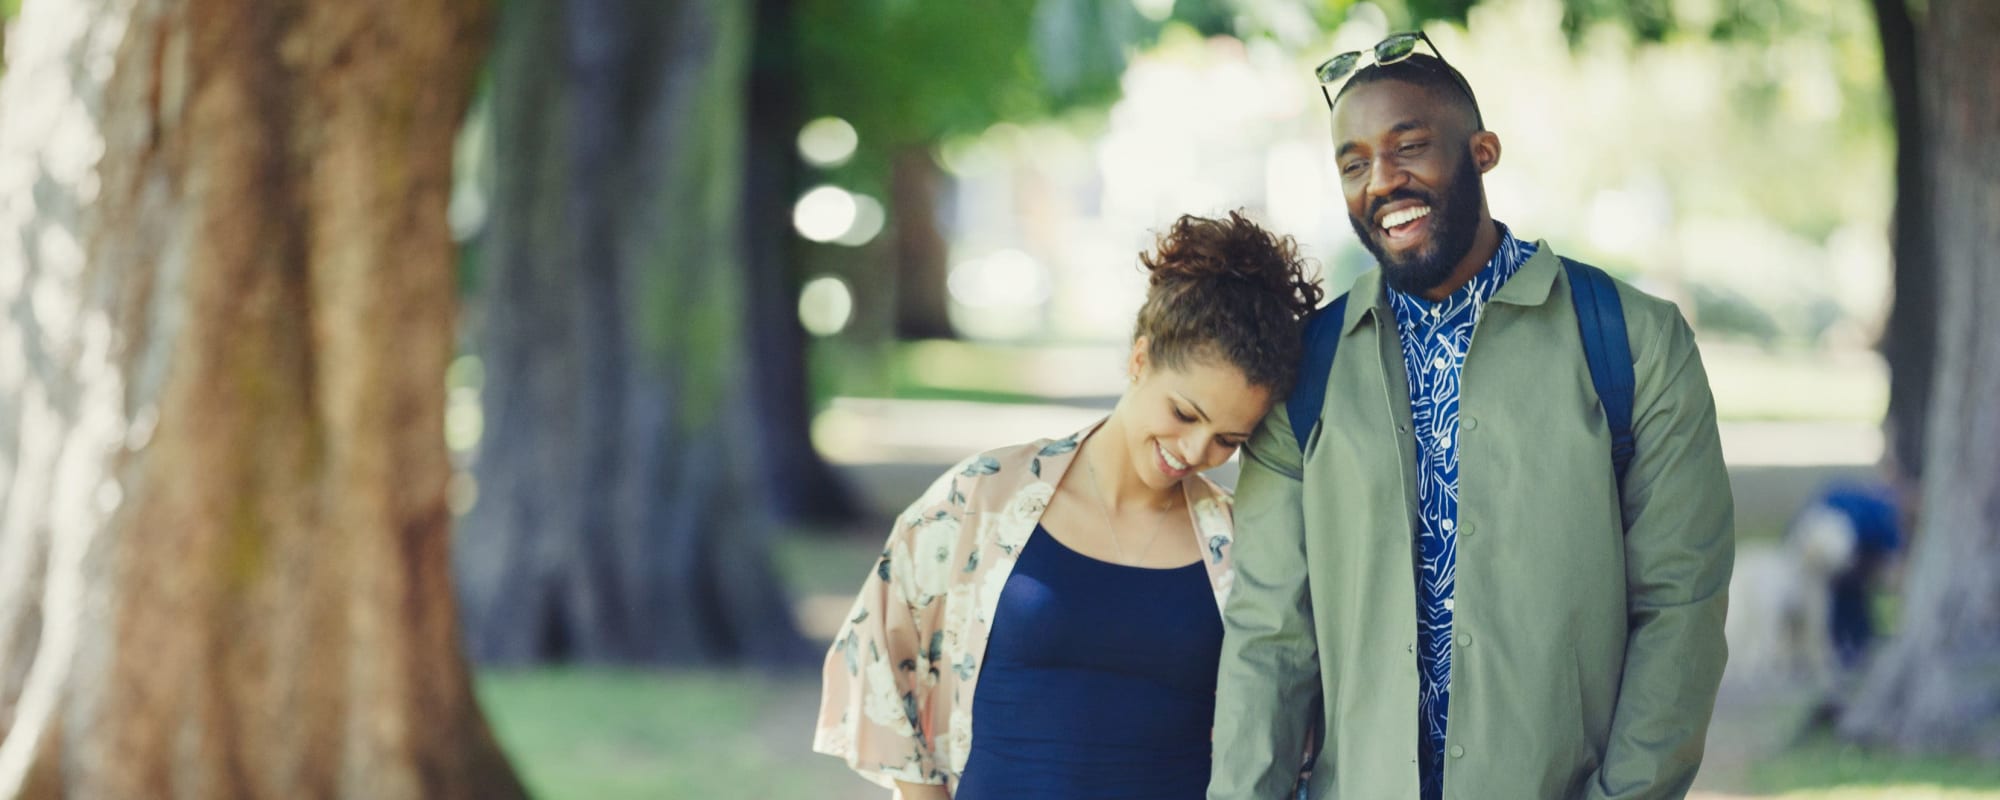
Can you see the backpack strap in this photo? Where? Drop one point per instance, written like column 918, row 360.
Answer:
column 1321, row 339
column 1600, row 318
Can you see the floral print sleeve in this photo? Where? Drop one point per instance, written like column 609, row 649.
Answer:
column 880, row 669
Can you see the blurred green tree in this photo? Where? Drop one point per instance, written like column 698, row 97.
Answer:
column 907, row 75
column 645, row 396
column 619, row 519
column 227, row 277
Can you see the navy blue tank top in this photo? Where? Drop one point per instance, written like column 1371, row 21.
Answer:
column 1099, row 682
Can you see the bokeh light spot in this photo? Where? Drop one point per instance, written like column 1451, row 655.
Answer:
column 824, row 214
column 825, row 306
column 828, row 141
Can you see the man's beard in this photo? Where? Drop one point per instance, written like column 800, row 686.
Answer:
column 1454, row 224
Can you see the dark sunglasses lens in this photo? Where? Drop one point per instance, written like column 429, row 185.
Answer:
column 1337, row 67
column 1395, row 48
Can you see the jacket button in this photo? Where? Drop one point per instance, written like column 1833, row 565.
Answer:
column 1457, row 752
column 1412, row 647
column 1468, row 423
column 1467, row 529
column 1465, row 640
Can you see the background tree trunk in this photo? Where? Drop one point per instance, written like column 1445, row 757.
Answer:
column 800, row 485
column 915, row 183
column 1909, row 340
column 1936, row 686
column 616, row 521
column 228, row 280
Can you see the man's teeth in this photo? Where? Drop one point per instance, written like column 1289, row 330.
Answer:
column 1176, row 463
column 1407, row 215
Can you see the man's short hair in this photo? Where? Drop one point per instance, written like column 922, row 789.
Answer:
column 1427, row 71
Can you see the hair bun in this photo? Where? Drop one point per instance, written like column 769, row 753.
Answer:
column 1232, row 250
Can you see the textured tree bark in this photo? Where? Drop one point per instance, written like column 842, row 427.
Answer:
column 802, row 486
column 228, row 280
column 617, row 521
column 1936, row 686
column 1909, row 340
column 921, row 251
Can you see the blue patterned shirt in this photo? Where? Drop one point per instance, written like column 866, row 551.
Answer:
column 1435, row 337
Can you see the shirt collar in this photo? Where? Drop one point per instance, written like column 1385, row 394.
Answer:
column 1506, row 261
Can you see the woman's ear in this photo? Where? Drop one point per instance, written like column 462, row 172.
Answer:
column 1136, row 365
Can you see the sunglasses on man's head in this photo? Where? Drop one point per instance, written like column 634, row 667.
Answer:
column 1397, row 47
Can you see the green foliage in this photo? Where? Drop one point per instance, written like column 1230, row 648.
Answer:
column 1218, row 17
column 8, row 10
column 907, row 73
column 1644, row 20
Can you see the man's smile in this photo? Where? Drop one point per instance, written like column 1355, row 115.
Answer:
column 1404, row 227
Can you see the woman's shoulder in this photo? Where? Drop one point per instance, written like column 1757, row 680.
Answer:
column 996, row 471
column 1023, row 461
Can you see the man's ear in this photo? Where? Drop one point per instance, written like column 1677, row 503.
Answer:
column 1486, row 150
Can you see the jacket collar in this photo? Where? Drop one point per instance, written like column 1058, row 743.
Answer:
column 1530, row 286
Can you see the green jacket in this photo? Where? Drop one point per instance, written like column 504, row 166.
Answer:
column 1586, row 657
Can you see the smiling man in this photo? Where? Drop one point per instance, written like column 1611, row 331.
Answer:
column 1499, row 570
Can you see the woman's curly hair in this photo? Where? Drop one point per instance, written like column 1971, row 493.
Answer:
column 1227, row 289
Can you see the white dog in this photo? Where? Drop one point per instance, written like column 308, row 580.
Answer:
column 1779, row 595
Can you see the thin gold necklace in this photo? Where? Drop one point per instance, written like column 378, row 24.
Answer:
column 1111, row 527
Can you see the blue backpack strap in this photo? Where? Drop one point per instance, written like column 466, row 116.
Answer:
column 1600, row 318
column 1321, row 339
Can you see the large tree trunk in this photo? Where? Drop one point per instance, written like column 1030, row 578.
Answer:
column 615, row 519
column 228, row 283
column 801, row 486
column 1909, row 340
column 915, row 182
column 1937, row 684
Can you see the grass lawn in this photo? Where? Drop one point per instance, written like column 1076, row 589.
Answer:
column 1824, row 767
column 591, row 734
column 581, row 734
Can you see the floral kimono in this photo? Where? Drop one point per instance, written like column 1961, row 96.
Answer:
column 897, row 702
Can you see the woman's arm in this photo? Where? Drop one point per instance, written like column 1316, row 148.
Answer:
column 921, row 791
column 872, row 707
